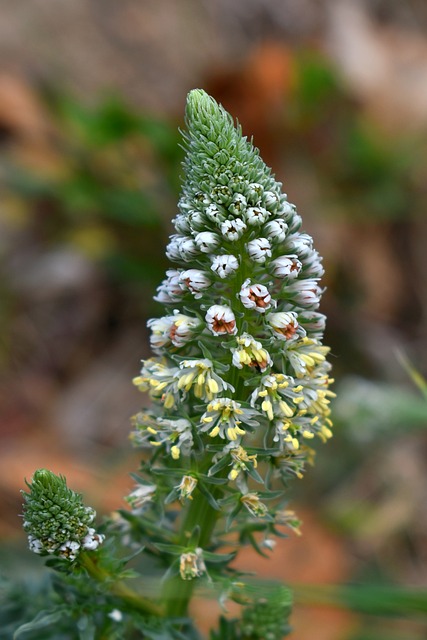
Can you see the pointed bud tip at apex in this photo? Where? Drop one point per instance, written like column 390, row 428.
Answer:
column 201, row 106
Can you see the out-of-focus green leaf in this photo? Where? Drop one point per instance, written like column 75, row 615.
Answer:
column 367, row 599
column 42, row 620
column 369, row 409
column 415, row 375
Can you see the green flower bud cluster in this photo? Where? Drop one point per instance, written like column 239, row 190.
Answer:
column 266, row 618
column 55, row 518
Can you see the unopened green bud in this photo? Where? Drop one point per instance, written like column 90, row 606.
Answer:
column 55, row 518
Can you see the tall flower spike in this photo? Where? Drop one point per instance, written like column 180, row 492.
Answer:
column 55, row 518
column 244, row 336
column 240, row 375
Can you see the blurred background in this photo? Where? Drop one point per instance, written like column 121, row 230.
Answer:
column 335, row 96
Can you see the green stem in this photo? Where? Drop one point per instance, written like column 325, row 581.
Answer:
column 177, row 592
column 119, row 588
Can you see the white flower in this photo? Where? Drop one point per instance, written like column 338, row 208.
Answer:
column 196, row 281
column 286, row 266
column 284, row 324
column 170, row 289
column 256, row 216
column 207, row 241
column 250, row 353
column 275, row 230
column 259, row 250
column 302, row 243
column 176, row 330
column 305, row 293
column 238, row 206
column 172, row 249
column 233, row 229
column 188, row 249
column 313, row 265
column 115, row 615
column 313, row 322
column 160, row 331
column 255, row 192
column 69, row 550
column 140, row 496
column 197, row 220
column 224, row 265
column 182, row 329
column 215, row 213
column 201, row 197
column 287, row 210
column 92, row 540
column 181, row 248
column 221, row 320
column 181, row 223
column 36, row 546
column 269, row 544
column 271, row 200
column 183, row 204
column 294, row 223
column 255, row 296
column 50, row 545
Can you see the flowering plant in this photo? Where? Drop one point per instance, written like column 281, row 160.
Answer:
column 239, row 386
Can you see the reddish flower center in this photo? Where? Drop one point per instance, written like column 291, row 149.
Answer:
column 287, row 331
column 221, row 326
column 259, row 300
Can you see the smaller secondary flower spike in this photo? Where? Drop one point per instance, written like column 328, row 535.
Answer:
column 55, row 518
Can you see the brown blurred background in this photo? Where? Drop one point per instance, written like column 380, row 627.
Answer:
column 335, row 95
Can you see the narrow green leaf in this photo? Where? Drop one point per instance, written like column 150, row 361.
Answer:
column 42, row 620
column 209, row 497
column 173, row 549
column 219, row 465
column 217, row 558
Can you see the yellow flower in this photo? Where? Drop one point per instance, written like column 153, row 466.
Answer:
column 223, row 418
column 250, row 353
column 186, row 487
column 191, row 564
column 254, row 505
column 199, row 376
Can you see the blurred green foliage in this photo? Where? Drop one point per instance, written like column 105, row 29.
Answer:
column 364, row 172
